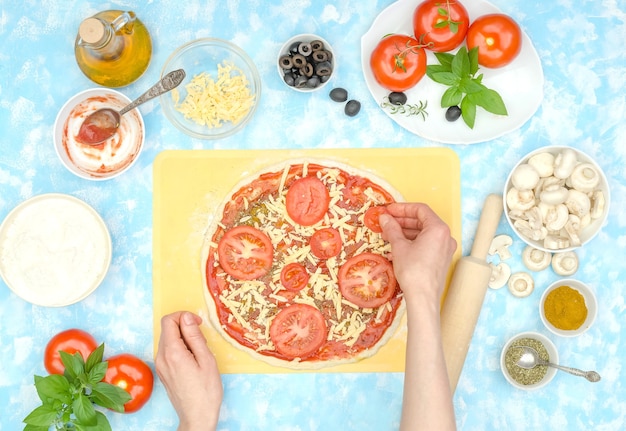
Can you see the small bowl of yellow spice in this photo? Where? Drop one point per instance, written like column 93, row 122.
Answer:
column 568, row 307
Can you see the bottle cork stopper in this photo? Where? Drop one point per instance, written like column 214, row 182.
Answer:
column 91, row 30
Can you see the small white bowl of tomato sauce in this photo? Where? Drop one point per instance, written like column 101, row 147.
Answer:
column 107, row 159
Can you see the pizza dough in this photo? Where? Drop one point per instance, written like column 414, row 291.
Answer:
column 302, row 319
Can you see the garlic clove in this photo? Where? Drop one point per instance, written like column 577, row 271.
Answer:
column 565, row 263
column 500, row 274
column 521, row 284
column 535, row 259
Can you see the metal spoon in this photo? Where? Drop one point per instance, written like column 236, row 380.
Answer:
column 103, row 123
column 530, row 359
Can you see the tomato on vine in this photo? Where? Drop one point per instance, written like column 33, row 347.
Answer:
column 398, row 62
column 498, row 38
column 441, row 25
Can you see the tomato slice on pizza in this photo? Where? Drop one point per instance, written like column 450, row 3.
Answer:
column 296, row 270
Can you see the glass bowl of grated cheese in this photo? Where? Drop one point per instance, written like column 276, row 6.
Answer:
column 220, row 92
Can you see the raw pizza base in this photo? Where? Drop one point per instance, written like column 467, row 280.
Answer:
column 208, row 246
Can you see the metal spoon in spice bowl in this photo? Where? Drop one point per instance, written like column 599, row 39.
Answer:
column 103, row 123
column 530, row 359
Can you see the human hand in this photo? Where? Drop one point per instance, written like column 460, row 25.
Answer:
column 421, row 248
column 189, row 372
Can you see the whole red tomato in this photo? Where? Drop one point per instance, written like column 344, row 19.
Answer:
column 398, row 62
column 441, row 25
column 69, row 341
column 134, row 376
column 498, row 38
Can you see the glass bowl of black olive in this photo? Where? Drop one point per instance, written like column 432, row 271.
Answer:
column 306, row 62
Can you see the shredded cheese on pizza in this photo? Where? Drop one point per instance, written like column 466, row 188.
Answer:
column 245, row 300
column 212, row 102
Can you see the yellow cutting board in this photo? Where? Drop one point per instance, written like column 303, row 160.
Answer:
column 190, row 184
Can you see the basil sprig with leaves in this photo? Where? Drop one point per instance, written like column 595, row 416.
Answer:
column 465, row 89
column 67, row 401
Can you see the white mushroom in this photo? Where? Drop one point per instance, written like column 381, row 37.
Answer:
column 525, row 177
column 597, row 204
column 521, row 284
column 572, row 229
column 564, row 163
column 520, row 199
column 500, row 274
column 543, row 163
column 565, row 263
column 555, row 242
column 556, row 217
column 535, row 259
column 553, row 194
column 584, row 177
column 578, row 203
column 524, row 227
column 500, row 246
column 534, row 217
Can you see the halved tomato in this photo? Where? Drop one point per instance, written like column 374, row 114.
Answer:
column 69, row 341
column 370, row 219
column 498, row 38
column 367, row 280
column 307, row 200
column 326, row 243
column 440, row 24
column 298, row 330
column 134, row 376
column 245, row 253
column 294, row 277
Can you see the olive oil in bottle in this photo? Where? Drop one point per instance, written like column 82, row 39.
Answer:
column 113, row 48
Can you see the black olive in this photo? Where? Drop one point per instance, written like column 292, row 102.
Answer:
column 305, row 49
column 300, row 81
column 319, row 56
column 324, row 68
column 453, row 113
column 397, row 98
column 313, row 81
column 293, row 48
column 307, row 70
column 289, row 79
column 324, row 78
column 338, row 94
column 285, row 62
column 298, row 60
column 352, row 108
column 317, row 45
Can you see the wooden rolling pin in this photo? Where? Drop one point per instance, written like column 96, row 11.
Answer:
column 466, row 292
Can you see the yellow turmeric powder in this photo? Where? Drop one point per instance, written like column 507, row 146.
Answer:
column 565, row 308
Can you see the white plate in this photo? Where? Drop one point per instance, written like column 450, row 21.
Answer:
column 520, row 83
column 54, row 250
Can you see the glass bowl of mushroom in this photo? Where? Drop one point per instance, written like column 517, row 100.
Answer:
column 556, row 199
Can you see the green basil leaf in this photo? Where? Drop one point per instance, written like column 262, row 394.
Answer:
column 84, row 410
column 102, row 424
column 94, row 358
column 445, row 59
column 473, row 59
column 445, row 78
column 468, row 112
column 97, row 372
column 451, row 97
column 460, row 63
column 30, row 427
column 42, row 416
column 110, row 396
column 74, row 364
column 490, row 101
column 470, row 86
column 436, row 68
column 53, row 387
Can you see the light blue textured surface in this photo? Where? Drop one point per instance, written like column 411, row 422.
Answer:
column 580, row 44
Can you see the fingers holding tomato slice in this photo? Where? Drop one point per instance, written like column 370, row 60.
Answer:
column 326, row 243
column 294, row 277
column 498, row 38
column 134, row 376
column 367, row 280
column 398, row 62
column 307, row 201
column 371, row 218
column 440, row 24
column 69, row 341
column 298, row 330
column 245, row 253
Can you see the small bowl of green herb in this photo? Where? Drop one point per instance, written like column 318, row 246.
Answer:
column 533, row 378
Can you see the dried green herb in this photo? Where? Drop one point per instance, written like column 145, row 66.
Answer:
column 522, row 375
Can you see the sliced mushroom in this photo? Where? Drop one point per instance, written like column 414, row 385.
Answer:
column 572, row 229
column 500, row 274
column 565, row 263
column 527, row 230
column 564, row 163
column 553, row 194
column 584, row 177
column 500, row 246
column 556, row 217
column 525, row 177
column 597, row 204
column 521, row 284
column 520, row 199
column 578, row 203
column 555, row 242
column 543, row 163
column 535, row 217
column 535, row 259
